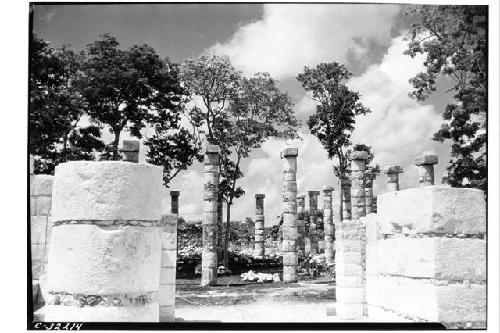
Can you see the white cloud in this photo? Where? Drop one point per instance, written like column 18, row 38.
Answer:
column 398, row 128
column 290, row 36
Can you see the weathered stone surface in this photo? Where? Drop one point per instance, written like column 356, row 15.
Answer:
column 143, row 313
column 358, row 155
column 38, row 228
column 426, row 160
column 167, row 275
column 106, row 190
column 167, row 313
column 166, row 295
column 435, row 209
column 422, row 299
column 350, row 295
column 290, row 152
column 168, row 258
column 348, row 311
column 113, row 261
column 436, row 257
column 42, row 185
column 392, row 169
column 42, row 205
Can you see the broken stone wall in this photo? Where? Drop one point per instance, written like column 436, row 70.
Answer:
column 426, row 255
column 40, row 211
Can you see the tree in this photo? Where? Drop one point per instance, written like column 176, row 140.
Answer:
column 239, row 114
column 126, row 88
column 259, row 111
column 453, row 39
column 336, row 110
column 173, row 146
column 56, row 108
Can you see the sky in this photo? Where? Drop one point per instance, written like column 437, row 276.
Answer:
column 281, row 39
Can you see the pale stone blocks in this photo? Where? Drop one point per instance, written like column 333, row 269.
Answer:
column 436, row 257
column 144, row 313
column 38, row 228
column 113, row 261
column 435, row 209
column 106, row 190
column 42, row 185
column 167, row 313
column 424, row 299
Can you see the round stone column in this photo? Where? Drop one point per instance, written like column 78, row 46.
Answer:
column 174, row 202
column 301, row 241
column 290, row 232
column 346, row 198
column 313, row 220
column 369, row 179
column 328, row 223
column 425, row 165
column 259, row 226
column 105, row 248
column 209, row 224
column 392, row 172
column 358, row 165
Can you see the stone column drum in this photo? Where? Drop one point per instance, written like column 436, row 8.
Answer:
column 209, row 225
column 301, row 229
column 169, row 260
column 369, row 179
column 425, row 165
column 313, row 220
column 392, row 172
column 328, row 223
column 290, row 232
column 105, row 247
column 350, row 244
column 259, row 226
column 168, row 267
column 346, row 198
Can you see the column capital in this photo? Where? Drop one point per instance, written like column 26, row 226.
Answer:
column 328, row 188
column 174, row 193
column 392, row 169
column 358, row 155
column 290, row 152
column 426, row 160
column 260, row 196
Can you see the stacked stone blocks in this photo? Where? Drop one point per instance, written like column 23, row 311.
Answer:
column 259, row 226
column 301, row 228
column 313, row 221
column 105, row 249
column 290, row 231
column 168, row 265
column 210, row 228
column 328, row 226
column 40, row 227
column 426, row 256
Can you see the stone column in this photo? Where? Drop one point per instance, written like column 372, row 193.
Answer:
column 259, row 226
column 328, row 223
column 174, row 202
column 346, row 198
column 392, row 172
column 369, row 178
column 374, row 204
column 313, row 220
column 301, row 244
column 105, row 246
column 130, row 150
column 425, row 165
column 169, row 253
column 290, row 232
column 40, row 227
column 358, row 201
column 350, row 244
column 209, row 255
column 168, row 267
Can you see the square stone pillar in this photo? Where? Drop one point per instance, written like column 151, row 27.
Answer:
column 313, row 221
column 259, row 226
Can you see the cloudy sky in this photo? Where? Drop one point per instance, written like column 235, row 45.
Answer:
column 280, row 39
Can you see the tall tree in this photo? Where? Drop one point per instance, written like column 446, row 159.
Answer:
column 259, row 111
column 453, row 39
column 172, row 145
column 336, row 110
column 125, row 89
column 56, row 108
column 215, row 81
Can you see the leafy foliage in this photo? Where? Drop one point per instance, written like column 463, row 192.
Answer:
column 337, row 108
column 127, row 88
column 453, row 38
column 56, row 107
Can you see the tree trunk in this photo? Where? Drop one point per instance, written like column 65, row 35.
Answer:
column 116, row 141
column 226, row 236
